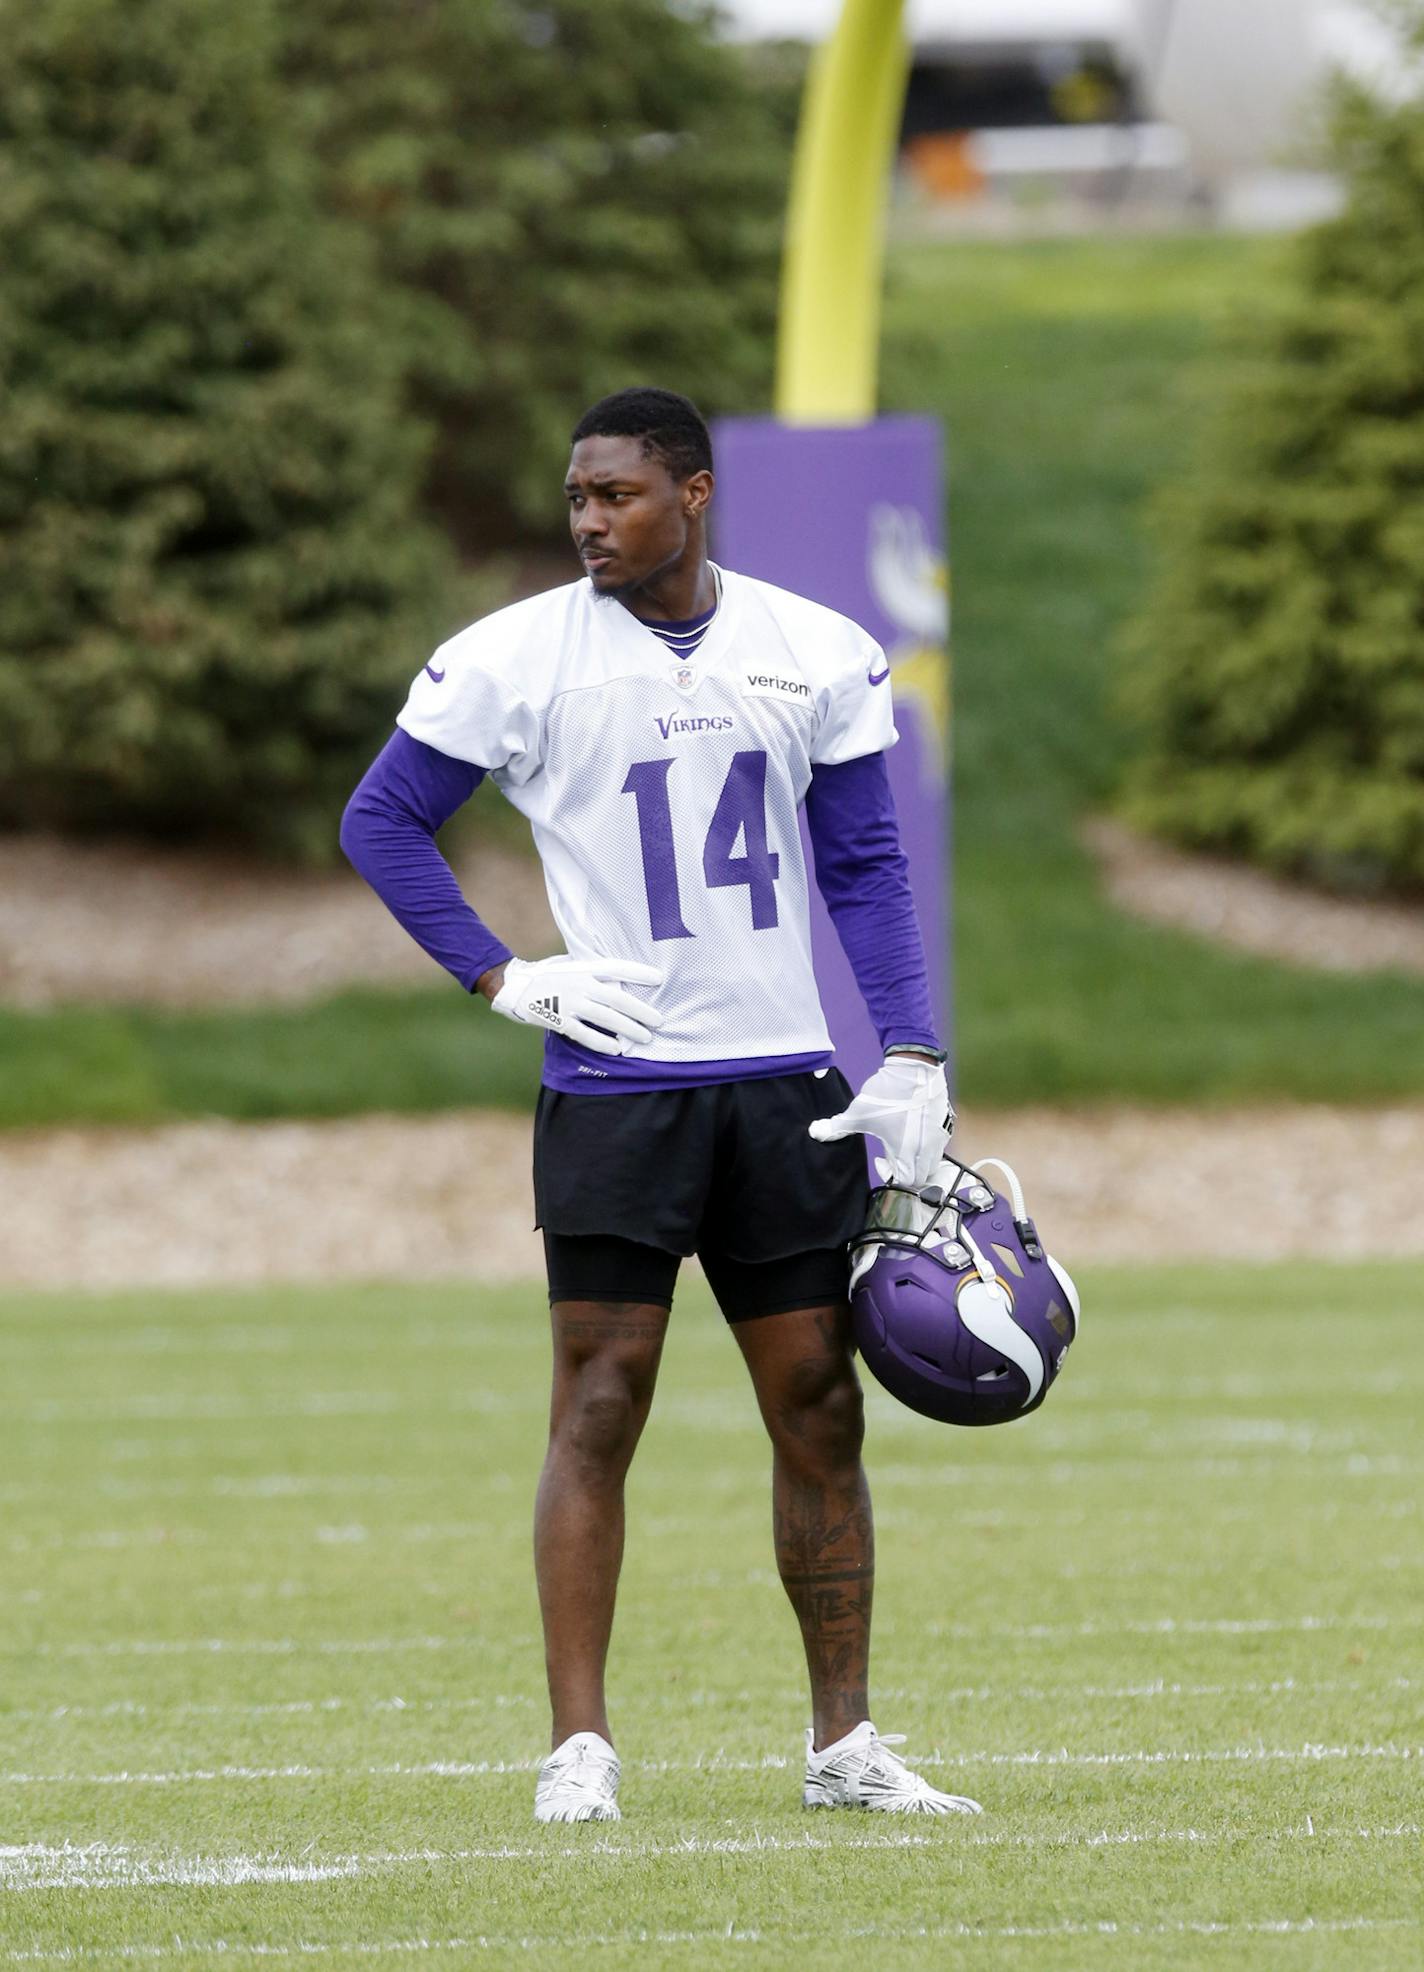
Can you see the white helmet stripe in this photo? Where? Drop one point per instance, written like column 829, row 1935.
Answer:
column 984, row 1311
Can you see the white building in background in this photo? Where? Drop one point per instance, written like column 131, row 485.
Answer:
column 974, row 20
column 1236, row 74
column 1242, row 80
column 1118, row 101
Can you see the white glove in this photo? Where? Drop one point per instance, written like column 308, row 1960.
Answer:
column 575, row 997
column 906, row 1104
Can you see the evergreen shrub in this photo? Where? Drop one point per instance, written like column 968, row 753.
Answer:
column 572, row 196
column 1278, row 667
column 212, row 586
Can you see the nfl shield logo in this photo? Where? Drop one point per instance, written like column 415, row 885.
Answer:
column 684, row 677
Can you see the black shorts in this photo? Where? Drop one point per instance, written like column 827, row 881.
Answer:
column 624, row 1186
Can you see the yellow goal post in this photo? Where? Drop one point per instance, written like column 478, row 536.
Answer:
column 828, row 336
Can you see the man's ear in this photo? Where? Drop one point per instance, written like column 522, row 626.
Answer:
column 698, row 494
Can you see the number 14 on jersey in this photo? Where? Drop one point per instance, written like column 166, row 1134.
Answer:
column 740, row 810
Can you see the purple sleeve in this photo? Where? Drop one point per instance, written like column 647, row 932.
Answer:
column 388, row 831
column 862, row 874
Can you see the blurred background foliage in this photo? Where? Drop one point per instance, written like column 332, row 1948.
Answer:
column 568, row 195
column 211, row 567
column 297, row 306
column 1277, row 668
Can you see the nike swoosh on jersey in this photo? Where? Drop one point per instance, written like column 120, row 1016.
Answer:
column 438, row 676
column 877, row 677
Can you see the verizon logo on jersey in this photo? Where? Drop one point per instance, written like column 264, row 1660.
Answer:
column 667, row 727
column 761, row 681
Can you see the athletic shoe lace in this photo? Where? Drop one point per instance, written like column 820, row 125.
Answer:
column 888, row 1770
column 865, row 1751
column 884, row 1741
column 583, row 1768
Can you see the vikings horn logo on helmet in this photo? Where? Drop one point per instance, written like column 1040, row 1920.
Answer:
column 959, row 1311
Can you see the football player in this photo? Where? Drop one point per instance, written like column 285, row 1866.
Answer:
column 661, row 722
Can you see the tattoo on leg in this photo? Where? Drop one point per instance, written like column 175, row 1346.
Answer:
column 806, row 1385
column 825, row 1554
column 815, row 1580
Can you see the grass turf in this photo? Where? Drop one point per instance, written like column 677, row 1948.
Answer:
column 271, row 1681
column 1061, row 373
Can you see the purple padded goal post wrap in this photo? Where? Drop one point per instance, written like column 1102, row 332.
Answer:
column 852, row 516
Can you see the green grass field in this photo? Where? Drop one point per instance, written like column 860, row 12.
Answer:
column 1064, row 373
column 272, row 1688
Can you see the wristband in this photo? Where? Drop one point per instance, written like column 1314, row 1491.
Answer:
column 941, row 1055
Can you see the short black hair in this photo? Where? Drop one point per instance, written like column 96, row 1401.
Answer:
column 671, row 427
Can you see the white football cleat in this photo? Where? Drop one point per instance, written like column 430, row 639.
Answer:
column 579, row 1781
column 860, row 1771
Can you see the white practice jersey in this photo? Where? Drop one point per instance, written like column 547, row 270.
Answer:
column 664, row 791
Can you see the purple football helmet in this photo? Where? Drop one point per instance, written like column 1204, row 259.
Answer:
column 958, row 1310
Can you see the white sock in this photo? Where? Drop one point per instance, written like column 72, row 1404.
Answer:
column 599, row 1742
column 836, row 1746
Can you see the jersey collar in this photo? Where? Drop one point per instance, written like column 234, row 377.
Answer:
column 632, row 634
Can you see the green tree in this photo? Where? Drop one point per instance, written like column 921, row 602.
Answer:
column 212, row 585
column 1278, row 668
column 574, row 195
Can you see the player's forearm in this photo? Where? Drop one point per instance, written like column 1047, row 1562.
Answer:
column 388, row 833
column 489, row 983
column 862, row 874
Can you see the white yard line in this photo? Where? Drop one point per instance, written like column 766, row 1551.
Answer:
column 1108, row 1470
column 972, row 1483
column 1018, row 1632
column 225, row 1410
column 1309, row 1753
column 102, row 1865
column 301, row 1708
column 242, row 1647
column 689, row 1412
column 1275, row 1438
column 267, row 1486
column 573, row 1944
column 81, row 1869
column 229, row 1589
column 310, row 1708
column 659, row 1526
column 1185, row 1626
column 1280, row 1438
column 710, row 1580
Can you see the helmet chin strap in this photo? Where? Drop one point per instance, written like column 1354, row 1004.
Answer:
column 1011, row 1179
column 982, row 1266
column 1023, row 1224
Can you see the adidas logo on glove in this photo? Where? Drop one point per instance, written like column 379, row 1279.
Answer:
column 590, row 1006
